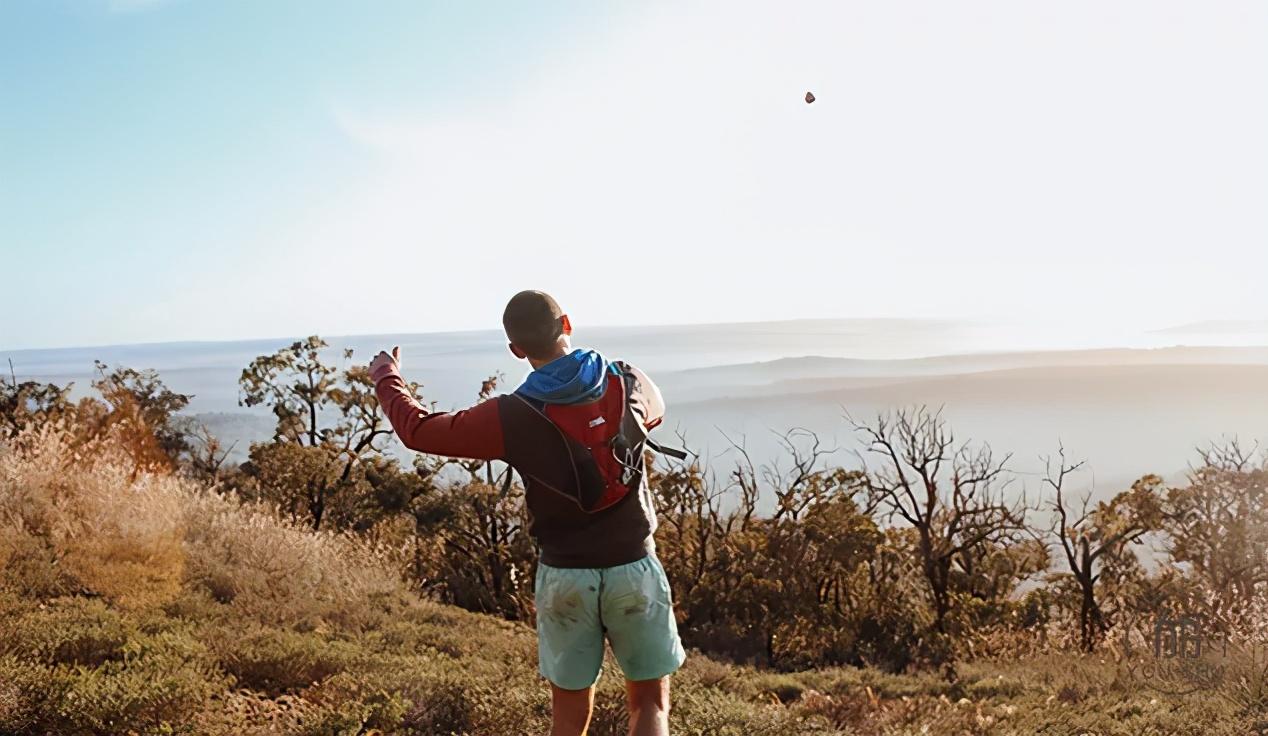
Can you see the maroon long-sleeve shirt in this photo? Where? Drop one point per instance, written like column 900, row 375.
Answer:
column 499, row 429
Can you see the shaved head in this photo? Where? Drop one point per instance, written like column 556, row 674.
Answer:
column 534, row 322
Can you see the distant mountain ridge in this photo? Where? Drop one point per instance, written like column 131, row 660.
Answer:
column 1218, row 326
column 742, row 379
column 1093, row 356
column 1026, row 385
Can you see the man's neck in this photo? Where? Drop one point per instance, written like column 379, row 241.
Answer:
column 538, row 363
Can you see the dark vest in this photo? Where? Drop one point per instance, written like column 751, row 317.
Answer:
column 568, row 535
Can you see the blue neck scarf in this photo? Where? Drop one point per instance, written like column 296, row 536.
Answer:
column 576, row 378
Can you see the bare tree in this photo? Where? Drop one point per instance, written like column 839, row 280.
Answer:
column 763, row 583
column 207, row 454
column 1076, row 545
column 1097, row 535
column 806, row 481
column 1229, row 456
column 952, row 496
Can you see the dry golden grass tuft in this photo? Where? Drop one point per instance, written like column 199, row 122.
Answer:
column 80, row 519
column 276, row 571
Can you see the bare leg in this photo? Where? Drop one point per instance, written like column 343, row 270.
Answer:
column 570, row 710
column 649, row 706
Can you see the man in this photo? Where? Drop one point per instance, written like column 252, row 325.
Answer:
column 575, row 432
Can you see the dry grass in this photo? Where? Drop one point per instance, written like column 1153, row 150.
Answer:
column 79, row 520
column 133, row 602
column 278, row 572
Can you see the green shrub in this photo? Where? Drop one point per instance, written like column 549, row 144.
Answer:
column 277, row 661
column 24, row 694
column 150, row 692
column 994, row 687
column 72, row 631
column 28, row 566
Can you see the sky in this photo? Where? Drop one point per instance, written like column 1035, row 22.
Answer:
column 176, row 170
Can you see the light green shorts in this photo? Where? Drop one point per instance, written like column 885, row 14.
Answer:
column 630, row 604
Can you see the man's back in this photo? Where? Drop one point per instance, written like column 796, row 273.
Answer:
column 545, row 452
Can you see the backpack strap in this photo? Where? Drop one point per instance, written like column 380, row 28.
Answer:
column 673, row 452
column 540, row 408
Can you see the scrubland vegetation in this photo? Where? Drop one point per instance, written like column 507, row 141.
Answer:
column 320, row 588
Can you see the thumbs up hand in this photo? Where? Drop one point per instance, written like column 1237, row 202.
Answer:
column 385, row 363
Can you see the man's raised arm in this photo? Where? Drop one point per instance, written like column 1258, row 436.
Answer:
column 472, row 433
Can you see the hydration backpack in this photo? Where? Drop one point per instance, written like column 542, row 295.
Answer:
column 605, row 440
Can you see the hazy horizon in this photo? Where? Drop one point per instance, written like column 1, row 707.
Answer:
column 1214, row 332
